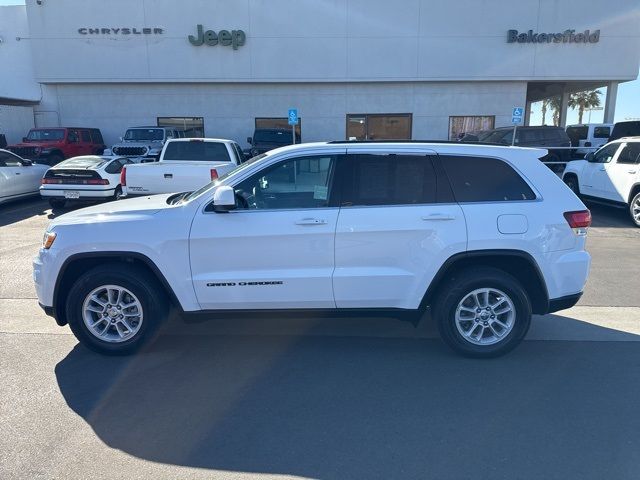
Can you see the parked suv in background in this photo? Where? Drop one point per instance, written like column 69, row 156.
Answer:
column 265, row 139
column 588, row 135
column 145, row 142
column 542, row 137
column 611, row 175
column 52, row 145
column 483, row 235
column 625, row 129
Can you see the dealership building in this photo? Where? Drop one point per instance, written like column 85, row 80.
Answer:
column 354, row 69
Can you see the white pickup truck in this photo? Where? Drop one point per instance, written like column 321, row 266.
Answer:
column 185, row 165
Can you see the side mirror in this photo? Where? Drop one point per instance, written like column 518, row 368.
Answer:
column 24, row 139
column 121, row 139
column 224, row 199
column 590, row 157
column 250, row 140
column 27, row 163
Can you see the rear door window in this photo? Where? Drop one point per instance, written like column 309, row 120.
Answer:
column 630, row 153
column 484, row 179
column 387, row 180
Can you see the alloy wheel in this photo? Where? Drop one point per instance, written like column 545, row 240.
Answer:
column 112, row 313
column 485, row 316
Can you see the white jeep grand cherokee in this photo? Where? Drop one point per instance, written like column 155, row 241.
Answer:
column 483, row 235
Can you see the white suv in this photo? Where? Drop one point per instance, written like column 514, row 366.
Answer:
column 483, row 235
column 611, row 175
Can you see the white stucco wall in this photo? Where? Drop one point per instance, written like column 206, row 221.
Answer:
column 229, row 109
column 17, row 80
column 333, row 40
column 15, row 122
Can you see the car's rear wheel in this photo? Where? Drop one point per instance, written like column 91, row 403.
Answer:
column 483, row 312
column 634, row 209
column 114, row 309
column 572, row 182
column 56, row 203
column 117, row 194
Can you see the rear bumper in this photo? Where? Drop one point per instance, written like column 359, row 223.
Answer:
column 94, row 194
column 562, row 303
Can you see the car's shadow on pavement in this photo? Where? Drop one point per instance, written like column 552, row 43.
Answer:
column 332, row 407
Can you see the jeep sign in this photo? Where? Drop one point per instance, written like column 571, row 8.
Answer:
column 234, row 38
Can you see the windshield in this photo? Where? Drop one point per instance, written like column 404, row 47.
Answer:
column 196, row 150
column 281, row 137
column 223, row 178
column 44, row 135
column 497, row 136
column 83, row 162
column 143, row 134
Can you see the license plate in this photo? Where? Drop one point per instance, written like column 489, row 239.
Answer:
column 71, row 194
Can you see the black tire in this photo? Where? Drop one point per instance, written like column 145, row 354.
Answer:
column 462, row 284
column 57, row 203
column 137, row 281
column 117, row 194
column 572, row 182
column 54, row 159
column 634, row 209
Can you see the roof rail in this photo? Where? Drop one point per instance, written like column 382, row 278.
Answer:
column 452, row 142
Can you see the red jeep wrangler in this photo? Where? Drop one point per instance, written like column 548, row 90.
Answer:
column 52, row 145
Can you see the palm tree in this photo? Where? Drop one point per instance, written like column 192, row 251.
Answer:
column 555, row 105
column 586, row 99
column 545, row 105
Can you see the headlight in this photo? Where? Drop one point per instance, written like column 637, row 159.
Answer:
column 153, row 151
column 48, row 239
column 254, row 152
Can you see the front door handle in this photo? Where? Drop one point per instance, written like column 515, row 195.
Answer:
column 632, row 171
column 17, row 173
column 311, row 221
column 439, row 216
column 602, row 169
column 168, row 175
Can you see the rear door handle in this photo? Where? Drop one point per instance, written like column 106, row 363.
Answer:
column 17, row 173
column 168, row 175
column 632, row 171
column 311, row 221
column 602, row 169
column 438, row 216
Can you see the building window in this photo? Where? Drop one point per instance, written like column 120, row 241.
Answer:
column 193, row 127
column 279, row 123
column 396, row 126
column 458, row 126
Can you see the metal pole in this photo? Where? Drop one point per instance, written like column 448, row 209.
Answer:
column 293, row 132
column 513, row 139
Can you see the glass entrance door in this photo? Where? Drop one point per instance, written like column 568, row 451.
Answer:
column 379, row 126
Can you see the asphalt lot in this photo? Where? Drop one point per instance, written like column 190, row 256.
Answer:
column 324, row 398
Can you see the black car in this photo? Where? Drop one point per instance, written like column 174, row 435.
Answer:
column 265, row 139
column 543, row 137
column 625, row 129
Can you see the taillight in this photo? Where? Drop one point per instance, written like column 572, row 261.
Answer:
column 74, row 181
column 100, row 181
column 214, row 174
column 579, row 221
column 123, row 177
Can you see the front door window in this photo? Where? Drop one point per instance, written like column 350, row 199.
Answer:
column 298, row 183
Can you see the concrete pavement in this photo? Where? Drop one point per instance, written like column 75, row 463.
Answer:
column 323, row 398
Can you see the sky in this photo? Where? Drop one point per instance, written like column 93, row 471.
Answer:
column 627, row 104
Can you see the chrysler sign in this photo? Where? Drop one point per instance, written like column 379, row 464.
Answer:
column 568, row 36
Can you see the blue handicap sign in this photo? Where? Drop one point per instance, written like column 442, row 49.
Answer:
column 516, row 120
column 517, row 112
column 293, row 116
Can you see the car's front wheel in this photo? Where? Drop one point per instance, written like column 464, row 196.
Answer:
column 483, row 312
column 634, row 209
column 572, row 182
column 114, row 309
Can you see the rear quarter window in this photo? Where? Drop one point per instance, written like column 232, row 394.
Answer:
column 485, row 179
